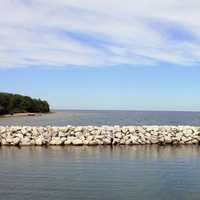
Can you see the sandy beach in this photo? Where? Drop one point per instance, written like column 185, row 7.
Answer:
column 21, row 115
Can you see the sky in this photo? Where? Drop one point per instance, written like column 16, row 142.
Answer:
column 99, row 54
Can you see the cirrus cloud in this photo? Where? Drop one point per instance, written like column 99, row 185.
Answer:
column 98, row 32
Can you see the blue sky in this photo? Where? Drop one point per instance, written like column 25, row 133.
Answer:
column 141, row 88
column 133, row 54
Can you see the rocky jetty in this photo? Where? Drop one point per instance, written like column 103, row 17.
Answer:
column 99, row 135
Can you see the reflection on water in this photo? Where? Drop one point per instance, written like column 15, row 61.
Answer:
column 81, row 117
column 102, row 172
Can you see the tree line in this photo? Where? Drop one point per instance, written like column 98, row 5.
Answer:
column 15, row 103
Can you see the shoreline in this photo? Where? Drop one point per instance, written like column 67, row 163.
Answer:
column 26, row 114
column 21, row 115
column 99, row 135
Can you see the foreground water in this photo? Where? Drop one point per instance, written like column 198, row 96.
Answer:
column 80, row 117
column 121, row 172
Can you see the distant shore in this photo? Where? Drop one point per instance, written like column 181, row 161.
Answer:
column 26, row 114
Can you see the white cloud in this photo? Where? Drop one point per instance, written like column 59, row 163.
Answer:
column 98, row 32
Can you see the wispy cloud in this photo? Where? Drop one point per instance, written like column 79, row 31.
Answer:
column 98, row 32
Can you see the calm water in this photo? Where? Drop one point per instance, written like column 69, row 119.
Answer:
column 125, row 173
column 78, row 117
column 98, row 173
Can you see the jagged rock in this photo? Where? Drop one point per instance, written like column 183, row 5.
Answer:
column 68, row 142
column 94, row 135
column 116, row 141
column 92, row 142
column 77, row 142
column 154, row 140
column 25, row 141
column 4, row 142
column 128, row 142
column 167, row 139
column 118, row 135
column 106, row 141
column 55, row 141
column 9, row 139
column 16, row 141
column 39, row 141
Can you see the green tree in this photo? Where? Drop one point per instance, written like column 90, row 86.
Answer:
column 15, row 103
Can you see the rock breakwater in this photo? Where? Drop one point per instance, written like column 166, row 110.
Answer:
column 99, row 135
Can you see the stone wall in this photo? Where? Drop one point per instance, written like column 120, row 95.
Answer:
column 96, row 135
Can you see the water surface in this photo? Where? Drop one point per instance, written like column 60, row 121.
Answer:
column 121, row 172
column 84, row 117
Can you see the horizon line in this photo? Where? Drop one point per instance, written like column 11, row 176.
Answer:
column 135, row 110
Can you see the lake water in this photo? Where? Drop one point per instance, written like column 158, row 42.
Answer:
column 100, row 173
column 81, row 117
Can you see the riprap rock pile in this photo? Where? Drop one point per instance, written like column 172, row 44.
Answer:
column 99, row 135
